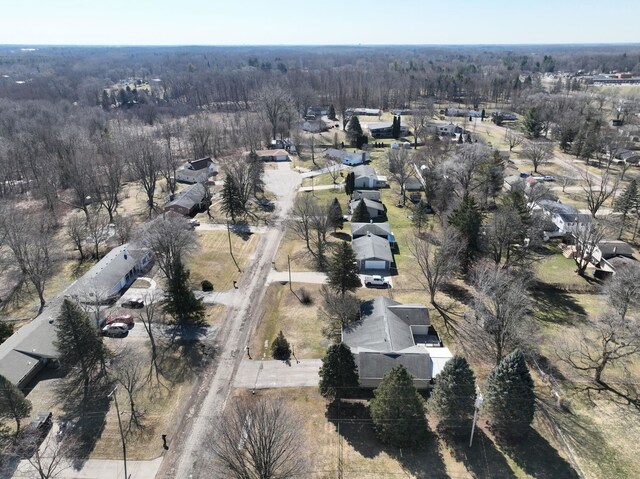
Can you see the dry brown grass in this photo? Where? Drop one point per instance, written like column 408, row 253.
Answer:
column 284, row 312
column 213, row 262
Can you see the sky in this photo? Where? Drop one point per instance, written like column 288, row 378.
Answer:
column 319, row 22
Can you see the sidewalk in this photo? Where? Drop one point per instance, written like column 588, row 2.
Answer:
column 99, row 469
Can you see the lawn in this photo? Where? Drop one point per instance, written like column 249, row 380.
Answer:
column 299, row 322
column 553, row 268
column 213, row 262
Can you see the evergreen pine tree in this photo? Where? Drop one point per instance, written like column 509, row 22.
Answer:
column 460, row 139
column 361, row 213
column 531, row 123
column 395, row 127
column 13, row 404
column 81, row 350
column 453, row 396
column 354, row 130
column 182, row 305
column 467, row 219
column 420, row 215
column 624, row 204
column 280, row 348
column 342, row 275
column 509, row 396
column 349, row 183
column 231, row 204
column 331, row 114
column 397, row 410
column 338, row 373
column 336, row 218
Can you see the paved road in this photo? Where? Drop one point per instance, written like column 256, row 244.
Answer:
column 234, row 228
column 277, row 374
column 322, row 171
column 297, row 277
column 190, row 454
column 98, row 469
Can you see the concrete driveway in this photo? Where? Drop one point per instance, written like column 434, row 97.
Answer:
column 297, row 277
column 277, row 374
column 98, row 468
column 322, row 171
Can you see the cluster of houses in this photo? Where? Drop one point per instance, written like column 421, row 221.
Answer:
column 566, row 221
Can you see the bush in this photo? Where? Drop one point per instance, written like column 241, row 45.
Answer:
column 207, row 285
column 305, row 296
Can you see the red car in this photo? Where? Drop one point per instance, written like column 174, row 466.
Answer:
column 121, row 318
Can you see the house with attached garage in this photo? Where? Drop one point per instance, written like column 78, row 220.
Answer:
column 273, row 155
column 373, row 253
column 197, row 171
column 611, row 256
column 384, row 129
column 366, row 177
column 390, row 334
column 370, row 195
column 382, row 230
column 190, row 200
column 347, row 158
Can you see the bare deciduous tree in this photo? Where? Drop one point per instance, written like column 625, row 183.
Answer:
column 50, row 458
column 587, row 238
column 259, row 439
column 301, row 218
column 401, row 169
column 333, row 169
column 599, row 189
column 97, row 228
column 538, row 153
column 276, row 106
column 438, row 257
column 500, row 323
column 77, row 232
column 337, row 310
column 623, row 290
column 150, row 316
column 127, row 370
column 513, row 139
column 144, row 161
column 170, row 238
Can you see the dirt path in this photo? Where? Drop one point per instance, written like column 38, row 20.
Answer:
column 190, row 455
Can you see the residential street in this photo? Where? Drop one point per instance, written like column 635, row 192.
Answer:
column 189, row 455
column 297, row 277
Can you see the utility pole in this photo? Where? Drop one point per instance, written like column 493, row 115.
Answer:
column 478, row 403
column 124, row 444
column 230, row 249
column 289, row 264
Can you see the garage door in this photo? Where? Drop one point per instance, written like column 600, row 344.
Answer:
column 370, row 264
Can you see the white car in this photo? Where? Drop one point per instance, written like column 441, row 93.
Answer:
column 115, row 330
column 376, row 280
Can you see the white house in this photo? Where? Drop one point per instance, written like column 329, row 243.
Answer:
column 197, row 171
column 273, row 155
column 366, row 177
column 347, row 158
column 567, row 218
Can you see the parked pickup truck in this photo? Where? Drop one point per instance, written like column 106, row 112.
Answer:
column 376, row 280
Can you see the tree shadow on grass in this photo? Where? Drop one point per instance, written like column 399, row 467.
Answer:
column 354, row 426
column 181, row 360
column 341, row 235
column 554, row 305
column 535, row 456
column 483, row 459
column 88, row 415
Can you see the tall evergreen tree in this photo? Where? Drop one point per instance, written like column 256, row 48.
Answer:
column 395, row 127
column 532, row 123
column 510, row 399
column 420, row 215
column 280, row 348
column 13, row 404
column 624, row 204
column 397, row 410
column 453, row 396
column 231, row 204
column 349, row 183
column 82, row 352
column 354, row 130
column 467, row 219
column 343, row 270
column 331, row 114
column 336, row 218
column 361, row 213
column 338, row 373
column 182, row 305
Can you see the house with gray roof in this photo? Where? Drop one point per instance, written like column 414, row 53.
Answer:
column 611, row 256
column 189, row 201
column 370, row 195
column 372, row 253
column 106, row 279
column 382, row 230
column 566, row 217
column 366, row 177
column 197, row 171
column 375, row 208
column 347, row 158
column 390, row 334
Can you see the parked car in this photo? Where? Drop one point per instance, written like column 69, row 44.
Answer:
column 549, row 178
column 415, row 197
column 194, row 222
column 115, row 330
column 377, row 281
column 121, row 318
column 524, row 175
column 133, row 303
